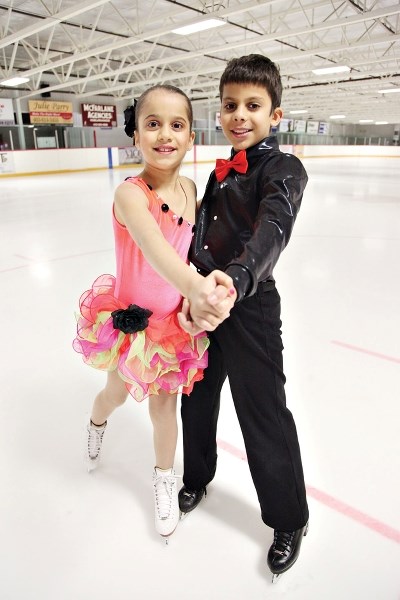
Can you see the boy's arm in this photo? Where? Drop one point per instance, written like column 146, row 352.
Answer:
column 280, row 197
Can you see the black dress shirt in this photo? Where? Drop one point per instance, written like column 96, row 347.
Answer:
column 245, row 221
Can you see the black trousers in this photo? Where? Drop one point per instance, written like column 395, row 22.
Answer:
column 247, row 348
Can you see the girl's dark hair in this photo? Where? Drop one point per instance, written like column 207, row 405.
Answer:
column 132, row 112
column 256, row 69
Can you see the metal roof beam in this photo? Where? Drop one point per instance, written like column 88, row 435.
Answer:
column 55, row 19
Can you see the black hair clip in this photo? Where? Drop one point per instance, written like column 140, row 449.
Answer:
column 129, row 114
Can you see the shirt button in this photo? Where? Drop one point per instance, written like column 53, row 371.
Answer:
column 215, row 218
column 206, row 247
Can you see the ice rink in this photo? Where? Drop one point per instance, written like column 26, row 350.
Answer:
column 68, row 535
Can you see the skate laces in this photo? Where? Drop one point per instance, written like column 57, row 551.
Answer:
column 188, row 494
column 164, row 488
column 95, row 439
column 282, row 542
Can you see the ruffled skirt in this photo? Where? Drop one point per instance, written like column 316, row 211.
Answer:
column 162, row 357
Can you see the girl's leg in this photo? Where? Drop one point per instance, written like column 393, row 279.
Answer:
column 113, row 395
column 162, row 410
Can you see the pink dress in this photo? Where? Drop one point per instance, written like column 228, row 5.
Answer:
column 162, row 356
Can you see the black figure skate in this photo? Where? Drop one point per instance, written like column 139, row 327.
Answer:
column 285, row 550
column 189, row 499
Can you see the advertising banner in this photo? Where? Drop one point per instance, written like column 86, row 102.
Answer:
column 323, row 127
column 129, row 155
column 99, row 115
column 6, row 112
column 292, row 126
column 312, row 126
column 285, row 125
column 50, row 112
column 6, row 162
column 299, row 126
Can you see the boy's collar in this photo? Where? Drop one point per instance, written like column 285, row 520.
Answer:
column 262, row 147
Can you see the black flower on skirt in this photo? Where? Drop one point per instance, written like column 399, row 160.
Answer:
column 131, row 319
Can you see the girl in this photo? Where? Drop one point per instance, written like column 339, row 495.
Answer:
column 128, row 325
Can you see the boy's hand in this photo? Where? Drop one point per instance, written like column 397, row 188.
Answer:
column 209, row 303
column 209, row 314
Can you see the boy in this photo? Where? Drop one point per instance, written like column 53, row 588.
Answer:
column 244, row 222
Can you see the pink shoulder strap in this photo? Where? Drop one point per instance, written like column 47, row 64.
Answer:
column 143, row 186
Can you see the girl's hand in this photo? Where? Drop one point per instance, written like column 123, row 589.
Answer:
column 222, row 298
column 185, row 320
column 210, row 302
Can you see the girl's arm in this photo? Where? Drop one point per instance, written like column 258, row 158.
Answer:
column 131, row 210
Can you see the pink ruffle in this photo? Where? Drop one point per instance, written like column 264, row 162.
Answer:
column 162, row 357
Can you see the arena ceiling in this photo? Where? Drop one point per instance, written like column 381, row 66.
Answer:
column 117, row 48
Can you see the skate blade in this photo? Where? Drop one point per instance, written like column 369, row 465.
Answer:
column 165, row 538
column 91, row 466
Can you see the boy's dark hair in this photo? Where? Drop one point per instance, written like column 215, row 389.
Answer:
column 256, row 69
column 132, row 112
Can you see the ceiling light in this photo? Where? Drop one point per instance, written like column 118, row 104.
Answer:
column 389, row 91
column 381, row 122
column 297, row 112
column 15, row 81
column 337, row 117
column 366, row 121
column 327, row 70
column 200, row 26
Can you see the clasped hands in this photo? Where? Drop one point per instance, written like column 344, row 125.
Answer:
column 208, row 303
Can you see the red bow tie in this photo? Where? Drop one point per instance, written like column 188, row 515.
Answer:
column 238, row 162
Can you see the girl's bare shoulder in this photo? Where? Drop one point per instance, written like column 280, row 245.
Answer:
column 189, row 186
column 128, row 190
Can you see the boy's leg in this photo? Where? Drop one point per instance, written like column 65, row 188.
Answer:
column 199, row 422
column 251, row 340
